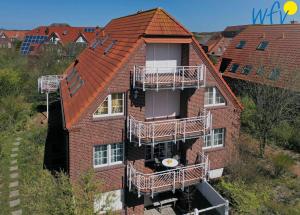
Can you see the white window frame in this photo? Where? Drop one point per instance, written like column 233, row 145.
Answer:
column 109, row 163
column 212, row 139
column 214, row 98
column 109, row 103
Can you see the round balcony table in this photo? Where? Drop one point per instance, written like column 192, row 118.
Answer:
column 170, row 162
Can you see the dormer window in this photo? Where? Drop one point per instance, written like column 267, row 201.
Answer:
column 262, row 46
column 113, row 105
column 241, row 44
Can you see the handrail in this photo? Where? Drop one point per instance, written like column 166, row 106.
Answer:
column 173, row 129
column 168, row 179
column 169, row 77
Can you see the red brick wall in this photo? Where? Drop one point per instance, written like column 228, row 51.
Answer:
column 92, row 132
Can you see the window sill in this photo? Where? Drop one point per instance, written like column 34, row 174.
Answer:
column 110, row 167
column 213, row 149
column 108, row 118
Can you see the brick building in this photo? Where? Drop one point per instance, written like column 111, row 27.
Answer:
column 266, row 54
column 57, row 34
column 143, row 92
column 9, row 37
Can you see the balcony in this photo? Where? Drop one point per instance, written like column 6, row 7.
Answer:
column 168, row 180
column 179, row 77
column 169, row 130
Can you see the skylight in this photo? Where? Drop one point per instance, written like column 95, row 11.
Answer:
column 241, row 45
column 74, row 81
column 260, row 70
column 247, row 69
column 262, row 46
column 110, row 46
column 99, row 42
column 234, row 67
column 274, row 75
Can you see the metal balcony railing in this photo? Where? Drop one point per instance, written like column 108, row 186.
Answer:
column 179, row 77
column 169, row 130
column 49, row 83
column 168, row 180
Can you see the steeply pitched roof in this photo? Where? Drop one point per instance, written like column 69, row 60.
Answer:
column 96, row 69
column 282, row 52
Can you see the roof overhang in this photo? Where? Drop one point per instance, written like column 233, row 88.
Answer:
column 167, row 40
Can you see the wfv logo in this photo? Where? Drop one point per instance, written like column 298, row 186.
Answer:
column 290, row 8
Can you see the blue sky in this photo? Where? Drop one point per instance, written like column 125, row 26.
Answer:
column 196, row 15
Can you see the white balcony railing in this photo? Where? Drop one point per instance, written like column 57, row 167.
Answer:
column 169, row 130
column 168, row 180
column 49, row 83
column 179, row 77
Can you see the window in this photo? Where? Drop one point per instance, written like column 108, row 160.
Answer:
column 215, row 139
column 160, row 151
column 213, row 97
column 247, row 69
column 260, row 70
column 111, row 106
column 241, row 44
column 234, row 67
column 262, row 46
column 274, row 75
column 105, row 155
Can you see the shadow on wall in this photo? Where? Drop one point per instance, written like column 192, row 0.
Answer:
column 56, row 147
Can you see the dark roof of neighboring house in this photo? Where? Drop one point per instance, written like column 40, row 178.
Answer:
column 123, row 36
column 282, row 52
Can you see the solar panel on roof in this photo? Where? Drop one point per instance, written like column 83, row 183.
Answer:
column 31, row 40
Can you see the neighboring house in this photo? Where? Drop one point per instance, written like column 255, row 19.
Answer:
column 57, row 34
column 9, row 37
column 266, row 54
column 217, row 43
column 142, row 92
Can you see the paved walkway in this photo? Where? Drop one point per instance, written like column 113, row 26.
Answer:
column 14, row 194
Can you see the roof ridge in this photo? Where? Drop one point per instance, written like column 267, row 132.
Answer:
column 136, row 13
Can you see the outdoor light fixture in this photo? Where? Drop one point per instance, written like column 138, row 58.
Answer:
column 135, row 94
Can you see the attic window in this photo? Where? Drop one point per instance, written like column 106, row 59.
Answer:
column 241, row 45
column 262, row 46
column 113, row 105
column 247, row 69
column 274, row 75
column 234, row 68
column 110, row 46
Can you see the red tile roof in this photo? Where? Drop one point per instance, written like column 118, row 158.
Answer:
column 282, row 52
column 15, row 34
column 66, row 34
column 98, row 69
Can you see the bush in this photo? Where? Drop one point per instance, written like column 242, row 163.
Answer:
column 244, row 198
column 281, row 163
column 10, row 82
column 248, row 115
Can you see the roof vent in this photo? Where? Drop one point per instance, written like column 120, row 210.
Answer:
column 65, row 32
column 283, row 35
